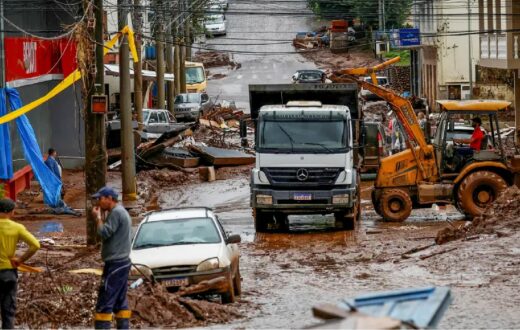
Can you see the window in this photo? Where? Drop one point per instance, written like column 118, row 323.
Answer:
column 162, row 118
column 153, row 118
column 195, row 75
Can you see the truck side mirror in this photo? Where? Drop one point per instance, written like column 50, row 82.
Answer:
column 243, row 133
column 243, row 129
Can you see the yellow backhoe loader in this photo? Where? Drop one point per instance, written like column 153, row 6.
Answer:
column 444, row 171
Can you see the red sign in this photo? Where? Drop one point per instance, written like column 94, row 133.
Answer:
column 27, row 57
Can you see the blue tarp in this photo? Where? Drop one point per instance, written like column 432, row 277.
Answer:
column 6, row 159
column 51, row 185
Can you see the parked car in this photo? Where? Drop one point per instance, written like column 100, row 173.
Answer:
column 181, row 247
column 367, row 95
column 189, row 106
column 155, row 122
column 215, row 24
column 309, row 76
column 375, row 146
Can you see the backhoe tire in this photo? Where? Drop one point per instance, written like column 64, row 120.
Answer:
column 262, row 220
column 478, row 190
column 395, row 205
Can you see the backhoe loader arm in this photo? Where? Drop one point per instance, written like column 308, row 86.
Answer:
column 401, row 106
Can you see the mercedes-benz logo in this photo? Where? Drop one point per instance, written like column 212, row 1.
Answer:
column 302, row 174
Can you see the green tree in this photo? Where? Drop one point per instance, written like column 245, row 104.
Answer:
column 396, row 11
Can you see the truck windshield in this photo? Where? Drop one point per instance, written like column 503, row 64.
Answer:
column 302, row 136
column 194, row 75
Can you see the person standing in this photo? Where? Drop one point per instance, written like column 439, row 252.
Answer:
column 52, row 163
column 10, row 234
column 116, row 236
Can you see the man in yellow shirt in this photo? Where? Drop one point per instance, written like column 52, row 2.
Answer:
column 10, row 234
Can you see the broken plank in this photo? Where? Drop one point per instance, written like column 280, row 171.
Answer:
column 223, row 157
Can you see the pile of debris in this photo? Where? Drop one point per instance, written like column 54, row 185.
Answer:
column 183, row 151
column 59, row 298
column 376, row 111
column 212, row 59
column 310, row 40
column 501, row 218
column 223, row 116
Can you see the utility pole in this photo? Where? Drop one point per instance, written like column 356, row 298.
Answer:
column 170, row 87
column 380, row 15
column 469, row 52
column 2, row 50
column 95, row 144
column 159, row 42
column 177, row 64
column 187, row 31
column 138, row 65
column 182, row 51
column 127, row 135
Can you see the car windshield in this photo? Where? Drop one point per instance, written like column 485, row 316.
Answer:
column 307, row 136
column 380, row 81
column 214, row 19
column 194, row 75
column 187, row 98
column 177, row 232
column 310, row 76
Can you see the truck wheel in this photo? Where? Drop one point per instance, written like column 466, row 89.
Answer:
column 229, row 296
column 345, row 220
column 478, row 190
column 282, row 221
column 375, row 203
column 261, row 220
column 395, row 205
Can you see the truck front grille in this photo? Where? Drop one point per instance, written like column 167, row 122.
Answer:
column 302, row 176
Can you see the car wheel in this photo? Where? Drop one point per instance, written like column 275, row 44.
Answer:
column 229, row 296
column 237, row 282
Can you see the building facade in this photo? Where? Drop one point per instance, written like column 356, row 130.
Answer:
column 34, row 66
column 448, row 53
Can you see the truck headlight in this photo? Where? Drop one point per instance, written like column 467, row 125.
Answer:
column 340, row 199
column 208, row 264
column 264, row 199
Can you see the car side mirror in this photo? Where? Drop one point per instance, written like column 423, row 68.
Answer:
column 233, row 239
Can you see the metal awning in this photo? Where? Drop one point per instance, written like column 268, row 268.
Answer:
column 113, row 70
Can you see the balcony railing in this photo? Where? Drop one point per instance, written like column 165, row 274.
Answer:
column 493, row 46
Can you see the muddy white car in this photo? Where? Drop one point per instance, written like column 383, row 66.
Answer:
column 182, row 247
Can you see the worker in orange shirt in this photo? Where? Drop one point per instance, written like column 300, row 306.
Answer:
column 475, row 142
column 10, row 234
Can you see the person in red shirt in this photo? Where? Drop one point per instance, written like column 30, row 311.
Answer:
column 475, row 142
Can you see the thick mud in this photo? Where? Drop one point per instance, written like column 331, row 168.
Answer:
column 285, row 274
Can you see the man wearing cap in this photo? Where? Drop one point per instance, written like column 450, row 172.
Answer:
column 10, row 234
column 116, row 236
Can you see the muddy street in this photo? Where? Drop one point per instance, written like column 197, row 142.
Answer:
column 285, row 274
column 270, row 56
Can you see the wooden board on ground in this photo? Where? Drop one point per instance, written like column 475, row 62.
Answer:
column 223, row 157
